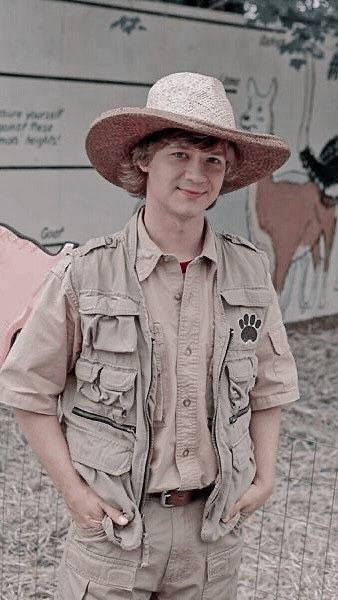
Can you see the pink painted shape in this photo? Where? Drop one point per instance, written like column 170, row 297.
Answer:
column 23, row 266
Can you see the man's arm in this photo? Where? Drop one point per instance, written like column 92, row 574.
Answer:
column 31, row 379
column 276, row 385
column 45, row 436
column 264, row 430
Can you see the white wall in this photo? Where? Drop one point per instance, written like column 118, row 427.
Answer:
column 64, row 62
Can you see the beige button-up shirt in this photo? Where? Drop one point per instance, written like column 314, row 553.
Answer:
column 181, row 313
column 181, row 310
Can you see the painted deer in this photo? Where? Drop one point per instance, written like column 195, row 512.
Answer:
column 287, row 218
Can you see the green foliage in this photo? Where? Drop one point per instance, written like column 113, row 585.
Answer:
column 309, row 23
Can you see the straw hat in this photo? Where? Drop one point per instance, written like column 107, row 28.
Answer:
column 189, row 101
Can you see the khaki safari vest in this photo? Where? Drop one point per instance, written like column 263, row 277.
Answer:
column 108, row 401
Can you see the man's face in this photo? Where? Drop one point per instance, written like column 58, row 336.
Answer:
column 184, row 180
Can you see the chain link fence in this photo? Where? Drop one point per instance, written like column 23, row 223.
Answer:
column 290, row 546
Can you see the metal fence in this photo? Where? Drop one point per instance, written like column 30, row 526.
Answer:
column 290, row 546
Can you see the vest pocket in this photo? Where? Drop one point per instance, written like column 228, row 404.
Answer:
column 102, row 452
column 112, row 389
column 108, row 323
column 242, row 454
column 241, row 374
column 243, row 473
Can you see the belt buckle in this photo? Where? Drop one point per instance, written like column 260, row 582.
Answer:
column 164, row 495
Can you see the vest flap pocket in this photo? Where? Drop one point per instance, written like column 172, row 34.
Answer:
column 242, row 452
column 224, row 564
column 102, row 304
column 240, row 370
column 247, row 296
column 87, row 371
column 279, row 340
column 113, row 379
column 98, row 452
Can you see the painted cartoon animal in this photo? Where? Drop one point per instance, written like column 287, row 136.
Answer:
column 286, row 218
column 23, row 265
column 324, row 169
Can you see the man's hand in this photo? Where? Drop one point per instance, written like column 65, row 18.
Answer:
column 88, row 509
column 253, row 499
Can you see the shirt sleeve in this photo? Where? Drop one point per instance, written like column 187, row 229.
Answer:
column 35, row 370
column 277, row 381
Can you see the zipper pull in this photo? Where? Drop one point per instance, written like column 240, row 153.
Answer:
column 145, row 549
column 231, row 335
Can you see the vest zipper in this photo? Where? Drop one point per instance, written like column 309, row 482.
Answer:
column 241, row 412
column 94, row 417
column 149, row 431
column 213, row 433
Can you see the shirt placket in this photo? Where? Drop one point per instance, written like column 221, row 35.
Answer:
column 187, row 379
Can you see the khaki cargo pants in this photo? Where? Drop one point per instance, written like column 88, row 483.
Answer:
column 177, row 565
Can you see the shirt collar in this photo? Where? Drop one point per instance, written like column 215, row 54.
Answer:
column 148, row 253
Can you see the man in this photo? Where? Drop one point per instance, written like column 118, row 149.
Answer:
column 161, row 340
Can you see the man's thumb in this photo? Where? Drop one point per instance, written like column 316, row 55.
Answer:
column 116, row 515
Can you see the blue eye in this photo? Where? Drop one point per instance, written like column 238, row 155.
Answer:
column 179, row 154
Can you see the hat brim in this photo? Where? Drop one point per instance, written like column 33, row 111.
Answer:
column 115, row 133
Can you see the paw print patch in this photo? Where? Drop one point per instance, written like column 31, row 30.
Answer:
column 249, row 327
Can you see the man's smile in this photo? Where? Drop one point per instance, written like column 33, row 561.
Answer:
column 191, row 193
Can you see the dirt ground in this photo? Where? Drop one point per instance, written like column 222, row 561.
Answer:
column 290, row 547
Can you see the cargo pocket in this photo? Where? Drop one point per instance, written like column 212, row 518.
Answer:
column 87, row 374
column 99, row 451
column 112, row 389
column 243, row 473
column 242, row 375
column 108, row 322
column 242, row 454
column 89, row 570
column 105, row 464
column 222, row 573
column 117, row 389
column 71, row 585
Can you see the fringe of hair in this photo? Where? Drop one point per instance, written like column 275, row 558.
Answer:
column 134, row 180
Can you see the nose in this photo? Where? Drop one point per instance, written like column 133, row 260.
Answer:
column 195, row 170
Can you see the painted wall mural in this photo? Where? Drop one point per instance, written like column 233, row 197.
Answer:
column 53, row 84
column 294, row 216
column 23, row 266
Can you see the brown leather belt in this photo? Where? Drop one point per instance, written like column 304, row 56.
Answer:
column 170, row 498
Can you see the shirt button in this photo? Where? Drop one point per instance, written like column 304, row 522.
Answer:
column 178, row 296
column 188, row 351
column 186, row 402
column 185, row 452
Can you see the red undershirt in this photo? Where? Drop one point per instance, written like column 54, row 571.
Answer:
column 184, row 265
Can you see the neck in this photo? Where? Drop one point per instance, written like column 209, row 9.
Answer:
column 181, row 237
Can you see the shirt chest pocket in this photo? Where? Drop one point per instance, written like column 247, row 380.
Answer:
column 108, row 324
